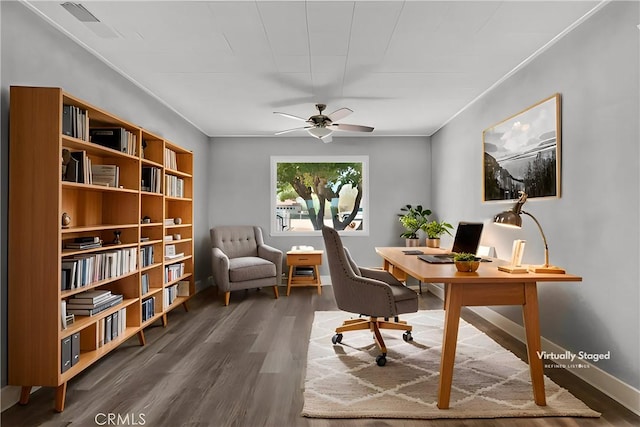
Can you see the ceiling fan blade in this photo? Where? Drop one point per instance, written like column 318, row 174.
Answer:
column 291, row 130
column 353, row 128
column 291, row 116
column 339, row 114
column 327, row 139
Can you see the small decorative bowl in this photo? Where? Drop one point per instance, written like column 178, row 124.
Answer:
column 467, row 266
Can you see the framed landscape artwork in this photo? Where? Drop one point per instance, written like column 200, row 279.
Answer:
column 522, row 153
column 313, row 191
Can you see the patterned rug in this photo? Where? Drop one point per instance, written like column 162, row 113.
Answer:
column 343, row 380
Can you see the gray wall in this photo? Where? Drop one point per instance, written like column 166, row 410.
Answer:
column 593, row 228
column 399, row 173
column 35, row 54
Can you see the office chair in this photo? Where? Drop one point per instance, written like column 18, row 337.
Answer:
column 373, row 293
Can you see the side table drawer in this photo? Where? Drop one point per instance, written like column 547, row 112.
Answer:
column 304, row 259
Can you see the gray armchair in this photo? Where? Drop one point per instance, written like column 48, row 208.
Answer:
column 374, row 293
column 241, row 260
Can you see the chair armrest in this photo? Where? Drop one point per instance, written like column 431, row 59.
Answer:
column 272, row 254
column 382, row 275
column 220, row 267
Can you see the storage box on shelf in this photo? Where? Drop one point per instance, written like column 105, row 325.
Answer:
column 80, row 220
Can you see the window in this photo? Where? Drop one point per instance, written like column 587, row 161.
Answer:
column 309, row 192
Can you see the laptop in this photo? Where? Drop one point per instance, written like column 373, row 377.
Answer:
column 466, row 240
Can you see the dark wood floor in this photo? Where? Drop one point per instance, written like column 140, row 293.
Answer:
column 243, row 365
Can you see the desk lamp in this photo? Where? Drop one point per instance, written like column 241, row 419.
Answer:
column 512, row 218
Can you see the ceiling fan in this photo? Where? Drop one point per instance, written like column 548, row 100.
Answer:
column 321, row 126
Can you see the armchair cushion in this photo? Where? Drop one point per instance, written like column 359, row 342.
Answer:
column 249, row 268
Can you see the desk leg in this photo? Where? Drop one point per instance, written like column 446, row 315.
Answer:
column 318, row 282
column 449, row 341
column 532, row 330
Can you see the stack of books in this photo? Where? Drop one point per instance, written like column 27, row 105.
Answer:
column 88, row 242
column 92, row 302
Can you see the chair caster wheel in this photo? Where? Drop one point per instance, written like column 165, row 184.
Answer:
column 381, row 360
column 336, row 339
column 407, row 336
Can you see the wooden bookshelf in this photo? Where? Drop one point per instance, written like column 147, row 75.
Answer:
column 39, row 194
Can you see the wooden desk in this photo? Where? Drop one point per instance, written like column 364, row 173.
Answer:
column 487, row 286
column 304, row 259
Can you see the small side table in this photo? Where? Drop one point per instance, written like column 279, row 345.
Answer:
column 311, row 259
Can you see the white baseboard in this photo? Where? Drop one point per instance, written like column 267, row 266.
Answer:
column 613, row 387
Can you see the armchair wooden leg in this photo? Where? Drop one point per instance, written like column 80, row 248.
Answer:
column 275, row 291
column 227, row 295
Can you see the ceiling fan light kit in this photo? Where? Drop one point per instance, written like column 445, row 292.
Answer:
column 320, row 132
column 321, row 126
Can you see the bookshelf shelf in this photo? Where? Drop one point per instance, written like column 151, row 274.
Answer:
column 177, row 173
column 91, row 166
column 94, row 149
column 94, row 187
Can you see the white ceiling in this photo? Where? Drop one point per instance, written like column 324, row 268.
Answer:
column 404, row 67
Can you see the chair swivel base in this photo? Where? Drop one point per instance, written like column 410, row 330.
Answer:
column 374, row 325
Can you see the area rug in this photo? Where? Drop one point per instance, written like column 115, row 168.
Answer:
column 343, row 380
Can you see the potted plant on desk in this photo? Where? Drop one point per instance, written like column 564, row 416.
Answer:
column 412, row 221
column 434, row 230
column 466, row 262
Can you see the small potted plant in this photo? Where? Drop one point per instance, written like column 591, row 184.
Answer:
column 434, row 230
column 412, row 221
column 466, row 262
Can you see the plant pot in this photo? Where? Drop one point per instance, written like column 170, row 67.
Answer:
column 467, row 266
column 410, row 243
column 433, row 243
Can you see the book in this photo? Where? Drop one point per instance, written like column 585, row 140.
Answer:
column 174, row 256
column 63, row 313
column 144, row 282
column 107, row 329
column 183, row 288
column 66, row 120
column 115, row 325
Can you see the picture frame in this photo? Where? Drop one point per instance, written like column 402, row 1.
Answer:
column 304, row 186
column 522, row 153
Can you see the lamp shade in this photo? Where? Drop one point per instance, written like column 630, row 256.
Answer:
column 320, row 132
column 508, row 218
